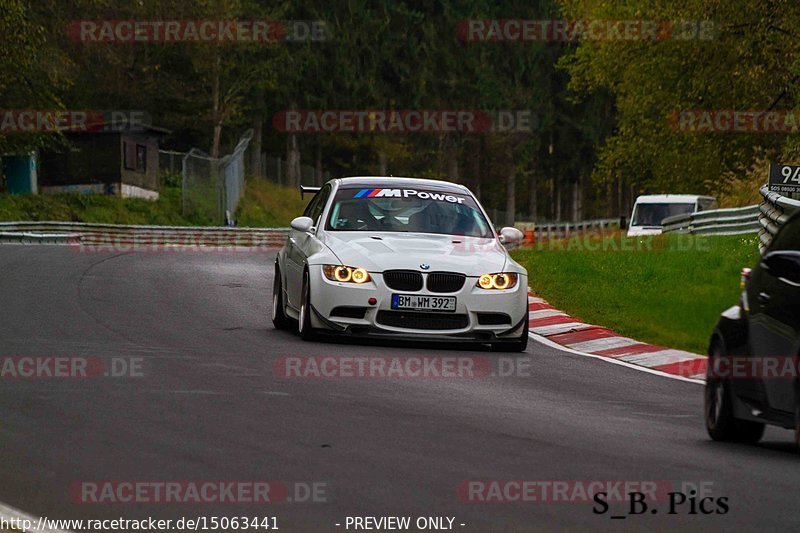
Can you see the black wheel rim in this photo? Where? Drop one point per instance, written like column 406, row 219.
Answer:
column 715, row 397
column 304, row 306
column 276, row 295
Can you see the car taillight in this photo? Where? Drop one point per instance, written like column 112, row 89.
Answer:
column 745, row 277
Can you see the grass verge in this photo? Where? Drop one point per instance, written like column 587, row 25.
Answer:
column 267, row 205
column 94, row 208
column 264, row 205
column 667, row 290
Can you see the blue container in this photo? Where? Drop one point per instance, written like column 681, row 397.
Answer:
column 20, row 173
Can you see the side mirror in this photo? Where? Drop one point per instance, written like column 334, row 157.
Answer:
column 303, row 224
column 784, row 265
column 511, row 236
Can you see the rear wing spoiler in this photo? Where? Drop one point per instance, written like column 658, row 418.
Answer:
column 308, row 190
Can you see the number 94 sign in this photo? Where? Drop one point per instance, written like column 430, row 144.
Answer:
column 784, row 179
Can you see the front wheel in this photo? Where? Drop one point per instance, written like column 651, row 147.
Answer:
column 720, row 422
column 797, row 426
column 307, row 333
column 279, row 318
column 797, row 414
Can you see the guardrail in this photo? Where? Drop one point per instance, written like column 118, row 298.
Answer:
column 765, row 219
column 131, row 236
column 563, row 230
column 774, row 211
column 39, row 238
column 716, row 222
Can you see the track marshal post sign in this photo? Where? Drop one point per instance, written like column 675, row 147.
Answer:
column 784, row 179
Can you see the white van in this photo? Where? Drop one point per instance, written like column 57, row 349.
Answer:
column 650, row 210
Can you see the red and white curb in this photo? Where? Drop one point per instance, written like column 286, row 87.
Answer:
column 551, row 326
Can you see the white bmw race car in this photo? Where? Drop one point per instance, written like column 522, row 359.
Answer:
column 400, row 258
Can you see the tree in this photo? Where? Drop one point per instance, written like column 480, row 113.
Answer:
column 750, row 63
column 33, row 66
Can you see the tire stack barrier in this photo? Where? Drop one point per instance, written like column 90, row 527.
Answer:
column 774, row 211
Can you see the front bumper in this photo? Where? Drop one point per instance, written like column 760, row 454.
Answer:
column 473, row 304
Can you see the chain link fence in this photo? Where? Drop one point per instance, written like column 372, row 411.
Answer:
column 170, row 162
column 231, row 169
column 210, row 188
column 275, row 169
column 201, row 187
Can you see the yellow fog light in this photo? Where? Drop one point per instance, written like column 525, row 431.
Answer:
column 360, row 275
column 346, row 274
column 500, row 281
column 342, row 274
column 485, row 281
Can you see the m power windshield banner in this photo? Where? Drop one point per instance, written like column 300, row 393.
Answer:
column 409, row 193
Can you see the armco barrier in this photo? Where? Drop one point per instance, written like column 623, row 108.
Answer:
column 116, row 234
column 563, row 230
column 765, row 218
column 717, row 222
column 39, row 238
column 774, row 211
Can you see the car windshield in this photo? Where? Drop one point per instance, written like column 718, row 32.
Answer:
column 654, row 214
column 407, row 210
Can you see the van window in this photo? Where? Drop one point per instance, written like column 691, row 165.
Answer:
column 654, row 214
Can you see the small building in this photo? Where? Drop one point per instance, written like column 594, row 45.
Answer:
column 120, row 163
column 19, row 171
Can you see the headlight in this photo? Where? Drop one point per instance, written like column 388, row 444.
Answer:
column 346, row 274
column 499, row 281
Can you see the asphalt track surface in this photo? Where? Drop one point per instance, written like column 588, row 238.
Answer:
column 209, row 407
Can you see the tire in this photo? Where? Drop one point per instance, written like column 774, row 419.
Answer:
column 519, row 345
column 307, row 333
column 797, row 414
column 279, row 318
column 797, row 425
column 718, row 410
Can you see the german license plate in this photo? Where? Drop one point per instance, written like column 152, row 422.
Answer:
column 418, row 302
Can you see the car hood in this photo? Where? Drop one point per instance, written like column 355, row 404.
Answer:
column 387, row 251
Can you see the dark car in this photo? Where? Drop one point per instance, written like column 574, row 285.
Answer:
column 752, row 377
